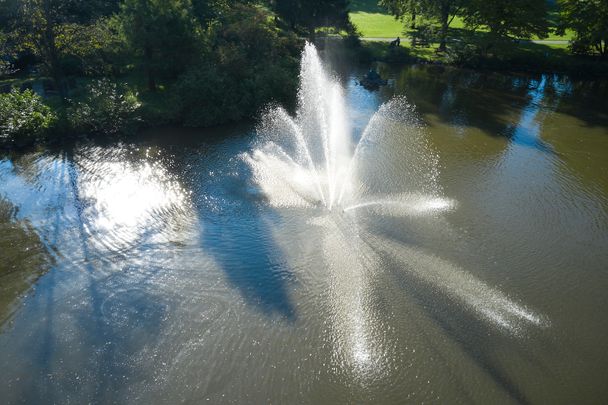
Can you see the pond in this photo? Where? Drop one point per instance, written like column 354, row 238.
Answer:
column 190, row 265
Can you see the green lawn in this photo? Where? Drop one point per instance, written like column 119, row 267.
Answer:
column 376, row 25
column 374, row 22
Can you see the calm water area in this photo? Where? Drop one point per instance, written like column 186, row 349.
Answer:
column 160, row 269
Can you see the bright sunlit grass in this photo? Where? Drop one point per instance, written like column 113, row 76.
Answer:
column 378, row 25
column 373, row 21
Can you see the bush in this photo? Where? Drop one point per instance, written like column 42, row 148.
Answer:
column 107, row 108
column 205, row 96
column 464, row 54
column 24, row 118
column 252, row 63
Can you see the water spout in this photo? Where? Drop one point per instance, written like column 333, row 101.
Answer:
column 314, row 159
column 317, row 145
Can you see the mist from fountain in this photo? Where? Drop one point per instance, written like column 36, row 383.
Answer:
column 312, row 158
column 314, row 161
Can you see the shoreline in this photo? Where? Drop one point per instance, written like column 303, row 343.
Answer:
column 532, row 56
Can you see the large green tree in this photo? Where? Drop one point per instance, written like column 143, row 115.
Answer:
column 406, row 10
column 252, row 62
column 4, row 54
column 505, row 18
column 208, row 11
column 8, row 12
column 51, row 29
column 589, row 21
column 440, row 12
column 311, row 14
column 163, row 35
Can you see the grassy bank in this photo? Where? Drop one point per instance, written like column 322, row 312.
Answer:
column 372, row 21
column 469, row 48
column 521, row 57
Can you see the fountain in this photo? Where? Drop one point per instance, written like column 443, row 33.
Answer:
column 314, row 161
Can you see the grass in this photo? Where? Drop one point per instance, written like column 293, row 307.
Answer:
column 378, row 25
column 372, row 21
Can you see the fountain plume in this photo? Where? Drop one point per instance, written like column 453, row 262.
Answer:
column 317, row 146
column 314, row 160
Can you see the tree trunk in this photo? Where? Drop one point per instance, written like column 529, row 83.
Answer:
column 445, row 15
column 52, row 56
column 149, row 69
column 151, row 81
column 413, row 26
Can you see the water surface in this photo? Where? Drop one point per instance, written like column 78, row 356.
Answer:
column 159, row 270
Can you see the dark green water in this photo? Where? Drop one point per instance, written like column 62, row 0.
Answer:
column 155, row 271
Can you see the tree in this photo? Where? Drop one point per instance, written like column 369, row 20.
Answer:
column 207, row 11
column 163, row 34
column 441, row 12
column 589, row 20
column 8, row 12
column 504, row 18
column 311, row 14
column 50, row 28
column 40, row 23
column 5, row 67
column 253, row 62
column 404, row 9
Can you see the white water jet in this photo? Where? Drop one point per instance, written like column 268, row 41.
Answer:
column 313, row 160
column 315, row 155
column 405, row 205
column 485, row 301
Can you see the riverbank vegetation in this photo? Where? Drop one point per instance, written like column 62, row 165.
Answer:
column 567, row 36
column 113, row 66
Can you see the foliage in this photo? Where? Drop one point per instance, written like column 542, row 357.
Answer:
column 5, row 64
column 589, row 20
column 209, row 11
column 206, row 62
column 310, row 14
column 92, row 50
column 405, row 9
column 441, row 12
column 503, row 18
column 163, row 35
column 253, row 63
column 107, row 108
column 8, row 12
column 24, row 117
column 51, row 29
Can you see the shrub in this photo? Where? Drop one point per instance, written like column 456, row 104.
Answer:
column 251, row 64
column 24, row 118
column 464, row 54
column 107, row 108
column 206, row 96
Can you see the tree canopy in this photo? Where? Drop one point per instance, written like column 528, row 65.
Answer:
column 589, row 20
column 204, row 62
column 440, row 12
column 162, row 34
column 504, row 18
column 310, row 14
